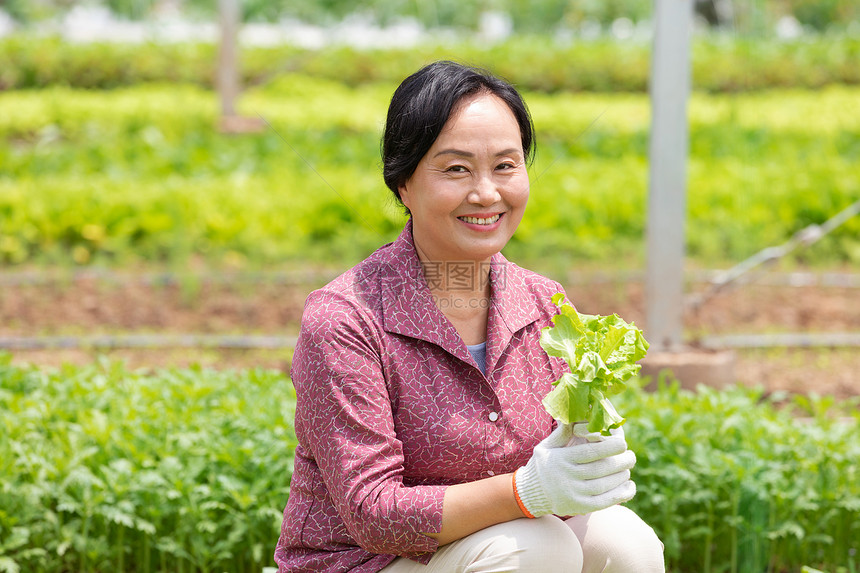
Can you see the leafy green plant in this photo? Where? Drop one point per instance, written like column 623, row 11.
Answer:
column 736, row 480
column 601, row 352
column 109, row 469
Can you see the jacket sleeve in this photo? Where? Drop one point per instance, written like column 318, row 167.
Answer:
column 344, row 419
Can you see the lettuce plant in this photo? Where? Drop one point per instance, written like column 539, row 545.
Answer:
column 602, row 352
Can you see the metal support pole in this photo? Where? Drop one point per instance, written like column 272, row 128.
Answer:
column 670, row 87
column 228, row 58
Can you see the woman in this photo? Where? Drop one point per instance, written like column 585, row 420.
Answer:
column 423, row 443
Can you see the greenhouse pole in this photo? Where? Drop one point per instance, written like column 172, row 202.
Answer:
column 229, row 85
column 228, row 59
column 670, row 88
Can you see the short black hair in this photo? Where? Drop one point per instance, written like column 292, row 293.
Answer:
column 423, row 103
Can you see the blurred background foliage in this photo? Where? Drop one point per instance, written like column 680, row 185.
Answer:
column 141, row 174
column 533, row 63
column 525, row 16
column 113, row 154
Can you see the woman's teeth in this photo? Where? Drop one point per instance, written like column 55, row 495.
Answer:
column 477, row 221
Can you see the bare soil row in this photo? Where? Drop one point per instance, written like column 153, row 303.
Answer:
column 86, row 306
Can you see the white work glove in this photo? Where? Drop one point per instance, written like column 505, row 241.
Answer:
column 574, row 471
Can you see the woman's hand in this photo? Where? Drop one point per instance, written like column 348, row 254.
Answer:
column 574, row 472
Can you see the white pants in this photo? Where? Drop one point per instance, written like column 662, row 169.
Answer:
column 614, row 540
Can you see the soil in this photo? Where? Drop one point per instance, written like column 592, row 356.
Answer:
column 88, row 305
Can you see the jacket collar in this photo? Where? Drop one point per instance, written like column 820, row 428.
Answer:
column 408, row 308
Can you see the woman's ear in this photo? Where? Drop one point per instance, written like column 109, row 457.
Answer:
column 405, row 198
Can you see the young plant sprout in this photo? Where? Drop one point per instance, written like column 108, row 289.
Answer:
column 602, row 352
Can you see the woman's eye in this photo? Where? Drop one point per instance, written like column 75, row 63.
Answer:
column 457, row 169
column 506, row 165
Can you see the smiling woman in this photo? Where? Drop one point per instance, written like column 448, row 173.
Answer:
column 423, row 444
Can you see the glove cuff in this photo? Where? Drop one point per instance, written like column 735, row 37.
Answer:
column 529, row 494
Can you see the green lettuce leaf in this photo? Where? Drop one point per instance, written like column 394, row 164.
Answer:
column 602, row 352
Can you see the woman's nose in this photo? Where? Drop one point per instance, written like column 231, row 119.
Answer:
column 485, row 191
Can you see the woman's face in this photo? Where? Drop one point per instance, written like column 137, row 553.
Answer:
column 468, row 193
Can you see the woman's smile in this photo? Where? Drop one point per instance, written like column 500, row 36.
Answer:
column 482, row 222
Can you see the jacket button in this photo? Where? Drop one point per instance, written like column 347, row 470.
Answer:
column 493, row 416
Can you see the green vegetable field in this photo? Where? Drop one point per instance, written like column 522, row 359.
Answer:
column 141, row 174
column 109, row 469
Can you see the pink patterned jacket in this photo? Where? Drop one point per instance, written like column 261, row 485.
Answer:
column 392, row 408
